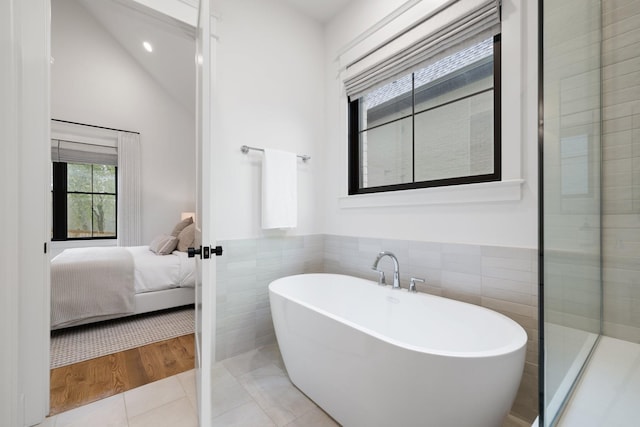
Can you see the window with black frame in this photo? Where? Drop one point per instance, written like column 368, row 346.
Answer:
column 84, row 192
column 436, row 126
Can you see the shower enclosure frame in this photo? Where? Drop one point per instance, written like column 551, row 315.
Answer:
column 543, row 420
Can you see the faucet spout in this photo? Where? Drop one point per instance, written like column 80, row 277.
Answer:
column 396, row 267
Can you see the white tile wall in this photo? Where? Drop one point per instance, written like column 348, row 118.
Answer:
column 243, row 276
column 621, row 168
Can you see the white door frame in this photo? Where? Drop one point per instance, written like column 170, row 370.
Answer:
column 24, row 107
column 205, row 234
column 25, row 36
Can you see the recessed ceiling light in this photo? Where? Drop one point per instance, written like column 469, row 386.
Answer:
column 147, row 46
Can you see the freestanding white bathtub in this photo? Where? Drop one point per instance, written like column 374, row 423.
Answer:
column 373, row 356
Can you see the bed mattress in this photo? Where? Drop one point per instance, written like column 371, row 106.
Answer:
column 158, row 272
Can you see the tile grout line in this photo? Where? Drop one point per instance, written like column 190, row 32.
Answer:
column 243, row 387
column 254, row 399
column 157, row 407
column 126, row 409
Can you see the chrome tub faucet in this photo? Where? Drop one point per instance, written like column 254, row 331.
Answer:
column 396, row 269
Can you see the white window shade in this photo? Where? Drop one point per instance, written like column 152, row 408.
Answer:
column 455, row 25
column 78, row 152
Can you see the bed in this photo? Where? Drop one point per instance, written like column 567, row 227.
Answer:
column 101, row 283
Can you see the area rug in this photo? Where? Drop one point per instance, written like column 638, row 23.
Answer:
column 86, row 342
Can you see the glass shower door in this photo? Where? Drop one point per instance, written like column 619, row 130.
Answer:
column 570, row 218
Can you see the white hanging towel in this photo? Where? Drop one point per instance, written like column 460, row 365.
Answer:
column 279, row 189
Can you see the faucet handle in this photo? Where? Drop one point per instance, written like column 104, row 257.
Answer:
column 412, row 285
column 381, row 279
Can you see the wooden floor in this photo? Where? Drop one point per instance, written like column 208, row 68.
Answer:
column 85, row 382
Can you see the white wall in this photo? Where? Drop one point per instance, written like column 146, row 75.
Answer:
column 504, row 223
column 269, row 94
column 95, row 81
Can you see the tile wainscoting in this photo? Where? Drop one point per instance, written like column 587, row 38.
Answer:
column 500, row 278
column 243, row 315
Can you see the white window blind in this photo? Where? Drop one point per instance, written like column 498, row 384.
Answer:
column 455, row 25
column 79, row 152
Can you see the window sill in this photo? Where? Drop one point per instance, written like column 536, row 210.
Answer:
column 500, row 191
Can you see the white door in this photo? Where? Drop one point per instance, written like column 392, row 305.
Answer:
column 205, row 261
column 24, row 192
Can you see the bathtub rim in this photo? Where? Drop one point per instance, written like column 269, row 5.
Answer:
column 517, row 345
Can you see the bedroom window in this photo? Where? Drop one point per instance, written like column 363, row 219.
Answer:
column 84, row 198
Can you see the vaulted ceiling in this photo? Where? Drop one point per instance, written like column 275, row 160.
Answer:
column 171, row 63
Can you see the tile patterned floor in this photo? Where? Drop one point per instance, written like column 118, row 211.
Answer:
column 249, row 390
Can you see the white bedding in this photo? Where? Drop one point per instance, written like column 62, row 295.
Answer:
column 157, row 272
column 92, row 284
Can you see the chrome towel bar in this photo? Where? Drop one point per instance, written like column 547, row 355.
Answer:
column 245, row 149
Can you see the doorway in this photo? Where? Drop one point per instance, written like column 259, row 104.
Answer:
column 103, row 75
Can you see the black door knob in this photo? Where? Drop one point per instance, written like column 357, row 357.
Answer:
column 192, row 252
column 204, row 252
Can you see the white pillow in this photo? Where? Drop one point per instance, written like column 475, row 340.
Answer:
column 163, row 244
